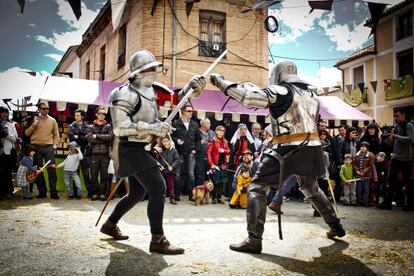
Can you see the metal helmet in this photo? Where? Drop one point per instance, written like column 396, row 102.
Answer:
column 141, row 61
column 284, row 71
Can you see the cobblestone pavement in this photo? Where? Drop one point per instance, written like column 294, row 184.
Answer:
column 49, row 237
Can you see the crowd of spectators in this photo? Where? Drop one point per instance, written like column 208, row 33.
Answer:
column 364, row 167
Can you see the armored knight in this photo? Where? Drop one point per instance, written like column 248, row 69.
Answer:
column 135, row 118
column 296, row 147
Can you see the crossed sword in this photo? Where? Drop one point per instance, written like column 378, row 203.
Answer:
column 168, row 120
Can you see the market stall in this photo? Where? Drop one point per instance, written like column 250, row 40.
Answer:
column 66, row 95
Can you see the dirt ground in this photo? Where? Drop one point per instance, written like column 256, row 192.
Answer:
column 58, row 237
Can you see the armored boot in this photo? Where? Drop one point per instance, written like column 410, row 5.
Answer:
column 256, row 217
column 112, row 230
column 249, row 245
column 324, row 207
column 160, row 244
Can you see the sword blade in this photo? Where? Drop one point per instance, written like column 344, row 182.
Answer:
column 334, row 200
column 111, row 195
column 188, row 94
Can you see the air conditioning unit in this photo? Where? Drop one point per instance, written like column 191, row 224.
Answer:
column 216, row 47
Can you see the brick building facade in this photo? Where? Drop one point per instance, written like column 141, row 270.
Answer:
column 211, row 27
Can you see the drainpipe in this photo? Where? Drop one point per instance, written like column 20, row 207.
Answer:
column 343, row 80
column 174, row 44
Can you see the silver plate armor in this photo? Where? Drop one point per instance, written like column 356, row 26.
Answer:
column 131, row 123
column 141, row 61
column 300, row 117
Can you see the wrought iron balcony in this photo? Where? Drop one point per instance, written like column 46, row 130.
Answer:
column 210, row 49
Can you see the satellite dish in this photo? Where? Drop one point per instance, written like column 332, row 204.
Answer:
column 271, row 24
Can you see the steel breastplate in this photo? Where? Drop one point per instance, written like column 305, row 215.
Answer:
column 300, row 117
column 148, row 111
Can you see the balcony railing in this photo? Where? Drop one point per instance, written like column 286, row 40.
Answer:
column 210, row 49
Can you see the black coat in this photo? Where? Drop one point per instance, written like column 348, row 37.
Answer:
column 344, row 147
column 172, row 158
column 103, row 140
column 191, row 137
column 80, row 131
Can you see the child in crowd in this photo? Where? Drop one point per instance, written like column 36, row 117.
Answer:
column 170, row 160
column 347, row 175
column 26, row 166
column 239, row 198
column 382, row 173
column 363, row 166
column 70, row 166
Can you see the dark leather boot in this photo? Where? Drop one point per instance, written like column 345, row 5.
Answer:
column 160, row 244
column 112, row 230
column 249, row 245
column 336, row 231
column 316, row 213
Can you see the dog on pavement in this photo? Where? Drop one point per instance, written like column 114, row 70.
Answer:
column 201, row 193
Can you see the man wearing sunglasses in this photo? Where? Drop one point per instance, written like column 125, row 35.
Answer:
column 44, row 136
column 187, row 138
column 136, row 122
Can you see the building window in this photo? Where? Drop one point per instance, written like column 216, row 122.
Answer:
column 102, row 63
column 358, row 74
column 405, row 62
column 122, row 42
column 88, row 70
column 405, row 25
column 212, row 33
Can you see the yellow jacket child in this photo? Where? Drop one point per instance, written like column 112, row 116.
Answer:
column 239, row 198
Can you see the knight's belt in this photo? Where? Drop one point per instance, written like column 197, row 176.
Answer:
column 297, row 137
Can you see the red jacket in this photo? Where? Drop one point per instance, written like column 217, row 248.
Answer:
column 212, row 151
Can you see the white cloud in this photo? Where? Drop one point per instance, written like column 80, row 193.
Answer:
column 329, row 76
column 54, row 56
column 297, row 19
column 61, row 41
column 347, row 37
column 18, row 70
column 32, row 25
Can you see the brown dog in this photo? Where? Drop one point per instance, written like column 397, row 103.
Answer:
column 202, row 193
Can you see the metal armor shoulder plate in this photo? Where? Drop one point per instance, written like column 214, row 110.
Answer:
column 274, row 90
column 124, row 98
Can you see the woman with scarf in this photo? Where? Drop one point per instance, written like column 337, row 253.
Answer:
column 241, row 141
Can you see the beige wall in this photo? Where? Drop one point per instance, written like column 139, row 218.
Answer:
column 384, row 35
column 384, row 71
column 384, row 64
column 368, row 77
column 146, row 31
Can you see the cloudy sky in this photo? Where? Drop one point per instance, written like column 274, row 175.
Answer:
column 37, row 39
